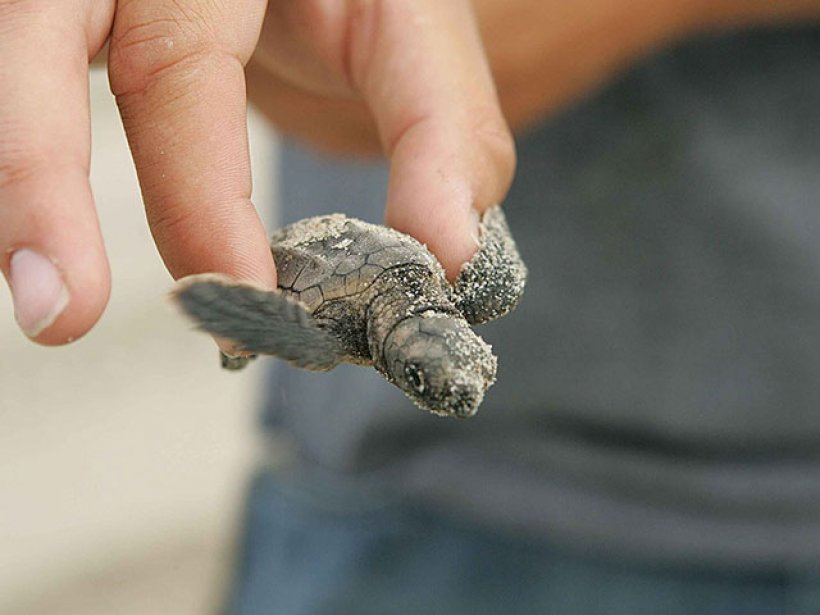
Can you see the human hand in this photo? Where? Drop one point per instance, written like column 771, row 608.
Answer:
column 543, row 55
column 405, row 79
column 176, row 68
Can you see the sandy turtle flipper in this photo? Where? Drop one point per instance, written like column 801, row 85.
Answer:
column 491, row 283
column 258, row 321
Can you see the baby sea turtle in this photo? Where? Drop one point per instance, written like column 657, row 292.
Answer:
column 350, row 291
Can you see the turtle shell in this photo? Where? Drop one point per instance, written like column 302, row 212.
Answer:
column 335, row 257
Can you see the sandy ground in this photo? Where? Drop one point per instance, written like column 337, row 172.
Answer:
column 123, row 457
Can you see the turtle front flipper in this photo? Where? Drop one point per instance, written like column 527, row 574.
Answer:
column 258, row 321
column 491, row 283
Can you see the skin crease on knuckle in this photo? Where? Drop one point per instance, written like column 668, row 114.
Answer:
column 19, row 9
column 149, row 39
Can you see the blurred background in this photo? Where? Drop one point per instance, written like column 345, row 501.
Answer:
column 123, row 456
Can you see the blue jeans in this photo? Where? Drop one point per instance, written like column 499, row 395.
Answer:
column 325, row 549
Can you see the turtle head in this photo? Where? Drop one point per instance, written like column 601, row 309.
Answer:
column 440, row 363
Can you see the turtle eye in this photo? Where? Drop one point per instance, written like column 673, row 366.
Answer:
column 415, row 377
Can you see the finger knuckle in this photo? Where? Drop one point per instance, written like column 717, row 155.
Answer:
column 13, row 8
column 14, row 172
column 20, row 155
column 320, row 26
column 146, row 43
column 145, row 47
column 21, row 19
column 169, row 221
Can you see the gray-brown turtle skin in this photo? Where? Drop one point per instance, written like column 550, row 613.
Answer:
column 350, row 291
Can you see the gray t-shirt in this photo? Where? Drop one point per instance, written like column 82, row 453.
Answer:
column 658, row 391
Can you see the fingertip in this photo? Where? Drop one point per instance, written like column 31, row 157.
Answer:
column 57, row 301
column 52, row 254
column 460, row 244
column 449, row 232
column 214, row 236
column 442, row 181
column 88, row 298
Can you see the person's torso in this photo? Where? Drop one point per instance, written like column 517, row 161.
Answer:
column 663, row 369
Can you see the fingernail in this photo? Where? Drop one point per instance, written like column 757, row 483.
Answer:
column 475, row 226
column 37, row 290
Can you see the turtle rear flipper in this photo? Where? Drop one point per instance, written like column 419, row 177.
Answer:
column 491, row 283
column 258, row 321
column 234, row 362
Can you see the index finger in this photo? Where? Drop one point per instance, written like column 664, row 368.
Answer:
column 176, row 68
